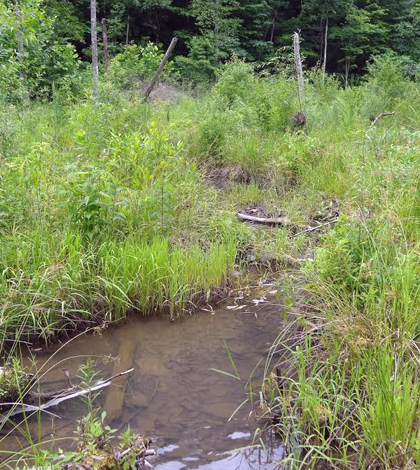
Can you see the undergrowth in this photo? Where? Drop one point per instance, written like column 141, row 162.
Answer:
column 109, row 208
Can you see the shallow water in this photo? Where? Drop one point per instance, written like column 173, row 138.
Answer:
column 175, row 395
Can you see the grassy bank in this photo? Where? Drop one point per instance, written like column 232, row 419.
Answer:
column 117, row 207
column 346, row 394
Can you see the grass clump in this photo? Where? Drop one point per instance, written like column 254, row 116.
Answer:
column 352, row 395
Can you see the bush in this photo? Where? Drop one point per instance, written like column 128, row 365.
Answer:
column 45, row 63
column 137, row 63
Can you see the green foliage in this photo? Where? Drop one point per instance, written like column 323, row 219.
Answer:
column 118, row 207
column 13, row 381
column 199, row 66
column 43, row 61
column 135, row 64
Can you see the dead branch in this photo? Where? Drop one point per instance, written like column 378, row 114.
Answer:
column 61, row 396
column 263, row 220
column 313, row 229
column 381, row 116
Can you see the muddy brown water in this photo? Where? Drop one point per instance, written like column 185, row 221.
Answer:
column 175, row 395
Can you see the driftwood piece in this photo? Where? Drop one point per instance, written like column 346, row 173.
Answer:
column 264, row 220
column 160, row 68
column 60, row 397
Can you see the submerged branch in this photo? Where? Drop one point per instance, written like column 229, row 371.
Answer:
column 59, row 397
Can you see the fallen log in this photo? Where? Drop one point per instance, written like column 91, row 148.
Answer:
column 264, row 220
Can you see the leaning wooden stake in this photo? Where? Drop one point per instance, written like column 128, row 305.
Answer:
column 298, row 64
column 105, row 43
column 160, row 68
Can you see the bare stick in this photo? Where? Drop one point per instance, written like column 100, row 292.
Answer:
column 371, row 127
column 375, row 121
column 298, row 64
column 105, row 43
column 160, row 68
column 313, row 229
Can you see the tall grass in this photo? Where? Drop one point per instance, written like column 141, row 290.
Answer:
column 106, row 209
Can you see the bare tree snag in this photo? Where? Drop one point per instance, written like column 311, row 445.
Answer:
column 105, row 43
column 160, row 68
column 347, row 73
column 298, row 64
column 19, row 36
column 94, row 38
column 324, row 63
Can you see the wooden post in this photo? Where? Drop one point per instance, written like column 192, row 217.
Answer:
column 94, row 37
column 105, row 42
column 298, row 64
column 160, row 68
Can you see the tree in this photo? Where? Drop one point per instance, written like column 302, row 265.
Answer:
column 363, row 34
column 94, row 36
column 32, row 60
column 324, row 12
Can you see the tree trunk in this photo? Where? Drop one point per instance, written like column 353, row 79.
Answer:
column 128, row 31
column 160, row 68
column 216, row 28
column 20, row 48
column 94, row 36
column 273, row 27
column 105, row 42
column 299, row 71
column 324, row 63
column 19, row 36
column 347, row 73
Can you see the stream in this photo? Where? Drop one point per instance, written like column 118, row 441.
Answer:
column 181, row 392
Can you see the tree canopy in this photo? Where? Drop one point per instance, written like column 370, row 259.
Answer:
column 345, row 34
